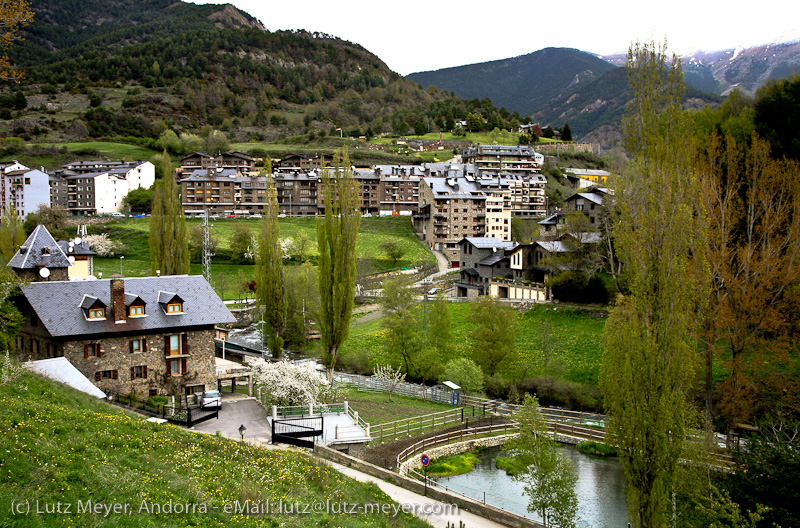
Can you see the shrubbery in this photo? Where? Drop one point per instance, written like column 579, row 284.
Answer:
column 574, row 286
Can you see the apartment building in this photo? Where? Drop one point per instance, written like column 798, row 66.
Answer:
column 449, row 210
column 508, row 159
column 234, row 160
column 222, row 192
column 24, row 189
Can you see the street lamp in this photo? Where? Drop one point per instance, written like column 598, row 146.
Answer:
column 242, row 431
column 120, row 263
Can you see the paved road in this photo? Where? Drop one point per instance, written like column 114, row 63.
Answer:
column 234, row 413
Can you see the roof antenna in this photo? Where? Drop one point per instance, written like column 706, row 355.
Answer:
column 158, row 273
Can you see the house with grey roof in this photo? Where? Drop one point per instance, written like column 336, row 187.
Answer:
column 40, row 258
column 482, row 259
column 144, row 335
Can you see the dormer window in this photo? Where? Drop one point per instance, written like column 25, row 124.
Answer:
column 171, row 303
column 135, row 310
column 93, row 308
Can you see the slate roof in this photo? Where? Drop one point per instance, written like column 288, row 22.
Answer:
column 491, row 260
column 553, row 246
column 77, row 249
column 57, row 304
column 490, row 243
column 39, row 250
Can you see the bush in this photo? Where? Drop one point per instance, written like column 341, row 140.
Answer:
column 574, row 286
column 596, row 448
column 156, row 401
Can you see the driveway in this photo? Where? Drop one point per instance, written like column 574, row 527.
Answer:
column 234, row 413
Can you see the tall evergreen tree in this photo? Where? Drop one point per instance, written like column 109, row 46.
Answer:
column 337, row 232
column 650, row 334
column 269, row 273
column 169, row 237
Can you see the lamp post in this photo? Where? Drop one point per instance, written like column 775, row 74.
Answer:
column 120, row 263
column 242, row 431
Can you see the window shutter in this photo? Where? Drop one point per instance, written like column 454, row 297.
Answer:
column 166, row 345
column 115, row 374
column 184, row 344
column 184, row 370
column 86, row 351
column 97, row 376
column 144, row 371
column 143, row 346
column 133, row 373
column 130, row 346
column 98, row 350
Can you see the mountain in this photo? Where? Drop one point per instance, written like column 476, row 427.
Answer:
column 520, row 83
column 115, row 68
column 601, row 104
column 718, row 72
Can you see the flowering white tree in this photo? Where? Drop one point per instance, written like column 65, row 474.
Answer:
column 102, row 245
column 389, row 376
column 288, row 383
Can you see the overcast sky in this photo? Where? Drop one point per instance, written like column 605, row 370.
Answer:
column 419, row 36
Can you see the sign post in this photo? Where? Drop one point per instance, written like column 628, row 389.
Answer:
column 425, row 462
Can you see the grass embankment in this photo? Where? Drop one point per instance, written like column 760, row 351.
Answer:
column 590, row 447
column 134, row 233
column 62, row 446
column 452, row 465
column 576, row 331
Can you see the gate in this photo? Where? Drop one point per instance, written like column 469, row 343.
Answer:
column 294, row 431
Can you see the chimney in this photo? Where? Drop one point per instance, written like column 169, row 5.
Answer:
column 118, row 300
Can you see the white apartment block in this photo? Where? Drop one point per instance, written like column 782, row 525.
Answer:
column 24, row 189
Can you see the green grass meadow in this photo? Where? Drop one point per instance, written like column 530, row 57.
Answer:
column 134, row 233
column 61, row 446
column 578, row 335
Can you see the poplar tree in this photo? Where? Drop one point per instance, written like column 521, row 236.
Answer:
column 337, row 232
column 169, row 237
column 650, row 335
column 269, row 272
column 12, row 234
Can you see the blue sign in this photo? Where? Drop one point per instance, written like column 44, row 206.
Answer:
column 425, row 460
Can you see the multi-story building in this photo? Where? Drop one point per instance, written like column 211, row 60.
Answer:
column 222, row 192
column 298, row 193
column 237, row 161
column 25, row 189
column 298, row 163
column 449, row 210
column 97, row 187
column 145, row 335
column 480, row 260
column 508, row 159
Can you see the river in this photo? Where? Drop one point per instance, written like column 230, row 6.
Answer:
column 600, row 488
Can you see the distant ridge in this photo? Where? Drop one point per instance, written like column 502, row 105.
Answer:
column 519, row 83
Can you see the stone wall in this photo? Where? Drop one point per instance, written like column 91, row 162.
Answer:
column 415, row 462
column 115, row 356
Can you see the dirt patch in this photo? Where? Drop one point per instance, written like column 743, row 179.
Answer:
column 385, row 455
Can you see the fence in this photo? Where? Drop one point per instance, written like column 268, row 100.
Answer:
column 294, row 431
column 417, row 424
column 441, row 395
column 187, row 416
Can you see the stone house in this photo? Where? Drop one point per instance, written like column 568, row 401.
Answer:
column 481, row 259
column 145, row 335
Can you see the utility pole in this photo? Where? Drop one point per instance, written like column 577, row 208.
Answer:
column 207, row 253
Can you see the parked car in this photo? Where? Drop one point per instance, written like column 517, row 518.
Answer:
column 117, row 215
column 210, row 398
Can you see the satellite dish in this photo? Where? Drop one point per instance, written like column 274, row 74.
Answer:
column 71, row 243
column 78, row 240
column 71, row 249
column 71, row 259
column 44, row 273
